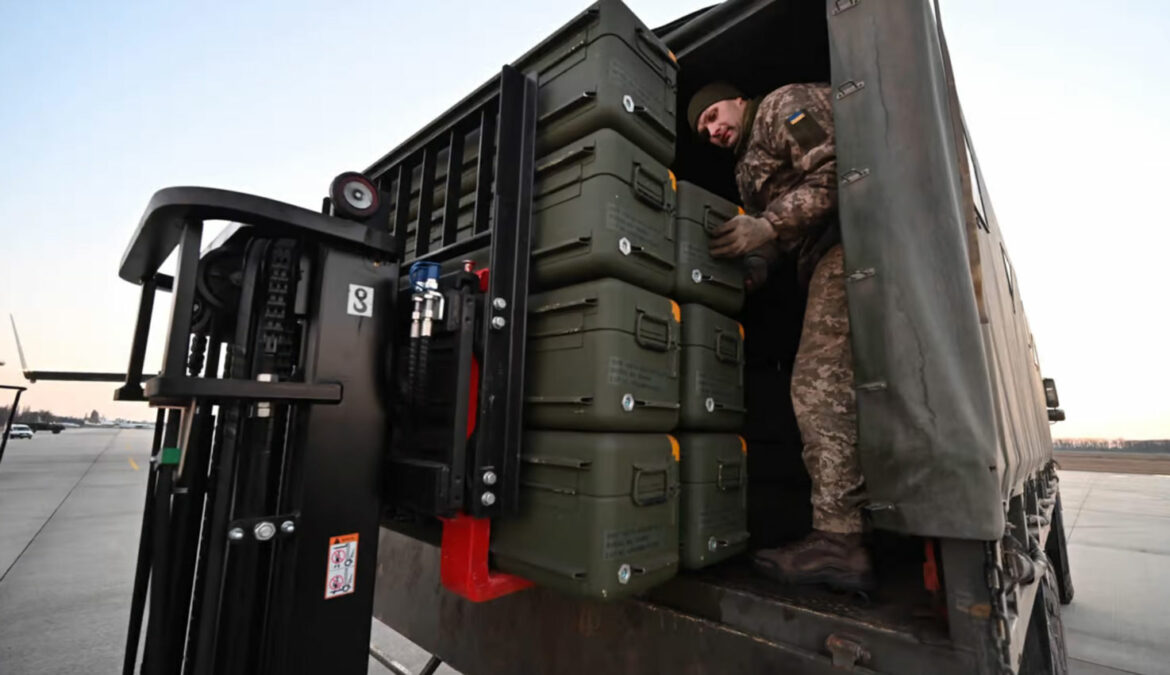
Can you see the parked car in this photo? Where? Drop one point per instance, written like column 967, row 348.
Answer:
column 20, row 431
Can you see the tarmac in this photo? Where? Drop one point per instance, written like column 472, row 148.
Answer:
column 71, row 509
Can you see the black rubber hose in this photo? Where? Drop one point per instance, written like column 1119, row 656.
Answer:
column 411, row 372
column 424, row 356
column 198, row 353
column 202, row 284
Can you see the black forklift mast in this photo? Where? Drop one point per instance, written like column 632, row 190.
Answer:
column 293, row 408
column 4, row 431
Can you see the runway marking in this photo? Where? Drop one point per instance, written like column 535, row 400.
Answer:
column 1084, row 500
column 69, row 494
column 133, row 463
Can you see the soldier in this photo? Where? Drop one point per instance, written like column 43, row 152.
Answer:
column 786, row 170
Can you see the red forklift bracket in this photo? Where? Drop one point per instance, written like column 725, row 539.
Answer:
column 463, row 565
column 484, row 277
column 930, row 578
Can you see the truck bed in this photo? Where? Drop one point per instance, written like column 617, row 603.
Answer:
column 723, row 620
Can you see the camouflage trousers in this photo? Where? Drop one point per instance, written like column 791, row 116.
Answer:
column 823, row 398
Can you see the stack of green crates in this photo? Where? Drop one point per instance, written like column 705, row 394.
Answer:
column 714, row 463
column 599, row 481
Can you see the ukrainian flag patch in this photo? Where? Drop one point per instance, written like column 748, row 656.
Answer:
column 805, row 130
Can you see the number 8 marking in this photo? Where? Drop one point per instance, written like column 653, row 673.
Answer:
column 361, row 301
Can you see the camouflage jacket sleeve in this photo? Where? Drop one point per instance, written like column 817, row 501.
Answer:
column 794, row 126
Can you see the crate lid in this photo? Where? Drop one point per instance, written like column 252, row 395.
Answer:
column 606, row 304
column 644, row 466
column 606, row 152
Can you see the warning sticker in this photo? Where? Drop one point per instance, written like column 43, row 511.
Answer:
column 633, row 374
column 341, row 567
column 618, row 543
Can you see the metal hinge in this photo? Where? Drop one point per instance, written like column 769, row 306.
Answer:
column 843, row 5
column 849, row 88
column 853, row 175
column 846, row 651
column 858, row 275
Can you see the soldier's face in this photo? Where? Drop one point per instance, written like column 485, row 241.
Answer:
column 720, row 123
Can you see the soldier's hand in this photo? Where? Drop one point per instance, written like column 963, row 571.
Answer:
column 740, row 235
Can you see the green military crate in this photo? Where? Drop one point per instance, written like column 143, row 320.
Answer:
column 713, row 503
column 699, row 277
column 603, row 208
column 605, row 69
column 598, row 513
column 712, row 383
column 602, row 355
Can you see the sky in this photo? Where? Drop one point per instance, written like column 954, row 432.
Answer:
column 101, row 104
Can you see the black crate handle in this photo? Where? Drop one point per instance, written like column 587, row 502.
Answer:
column 725, row 479
column 649, row 341
column 725, row 354
column 710, row 225
column 657, row 497
column 649, row 188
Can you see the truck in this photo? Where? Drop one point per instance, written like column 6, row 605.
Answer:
column 55, row 427
column 343, row 403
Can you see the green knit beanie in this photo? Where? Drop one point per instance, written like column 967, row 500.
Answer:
column 712, row 93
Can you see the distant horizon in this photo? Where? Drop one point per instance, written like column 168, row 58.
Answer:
column 4, row 404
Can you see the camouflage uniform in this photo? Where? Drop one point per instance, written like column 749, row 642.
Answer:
column 787, row 174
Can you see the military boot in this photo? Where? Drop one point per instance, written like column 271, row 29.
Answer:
column 840, row 561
